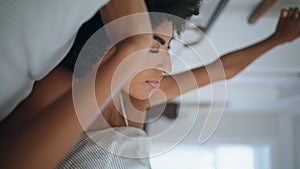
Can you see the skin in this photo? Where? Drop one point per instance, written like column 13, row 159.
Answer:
column 35, row 134
column 158, row 63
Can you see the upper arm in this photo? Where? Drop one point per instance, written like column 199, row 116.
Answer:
column 117, row 15
column 44, row 92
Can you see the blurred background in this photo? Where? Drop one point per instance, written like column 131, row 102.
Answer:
column 260, row 127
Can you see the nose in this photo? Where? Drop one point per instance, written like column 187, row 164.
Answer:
column 165, row 62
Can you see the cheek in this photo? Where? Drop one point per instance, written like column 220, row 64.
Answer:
column 135, row 81
column 131, row 85
column 137, row 87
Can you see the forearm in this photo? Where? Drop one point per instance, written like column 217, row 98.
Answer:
column 236, row 61
column 226, row 67
column 287, row 30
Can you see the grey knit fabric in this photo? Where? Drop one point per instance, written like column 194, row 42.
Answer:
column 102, row 149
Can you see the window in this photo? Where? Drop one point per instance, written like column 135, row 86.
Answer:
column 222, row 156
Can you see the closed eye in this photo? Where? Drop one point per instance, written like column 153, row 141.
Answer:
column 159, row 39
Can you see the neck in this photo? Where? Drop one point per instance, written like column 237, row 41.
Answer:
column 112, row 116
column 135, row 110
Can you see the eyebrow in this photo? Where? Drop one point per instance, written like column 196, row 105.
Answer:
column 159, row 39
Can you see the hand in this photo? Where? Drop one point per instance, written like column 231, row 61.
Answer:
column 288, row 27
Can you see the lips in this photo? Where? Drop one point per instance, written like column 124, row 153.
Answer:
column 153, row 83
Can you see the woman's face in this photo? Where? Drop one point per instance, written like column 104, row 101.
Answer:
column 158, row 63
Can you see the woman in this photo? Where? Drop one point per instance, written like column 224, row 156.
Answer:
column 32, row 127
column 122, row 146
column 145, row 82
column 49, row 114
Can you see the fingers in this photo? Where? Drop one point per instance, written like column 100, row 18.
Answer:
column 288, row 27
column 294, row 17
column 291, row 13
column 297, row 13
column 283, row 13
column 297, row 18
column 294, row 13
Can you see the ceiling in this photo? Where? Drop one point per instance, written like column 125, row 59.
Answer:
column 269, row 85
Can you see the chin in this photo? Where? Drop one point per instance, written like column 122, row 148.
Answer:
column 141, row 95
column 138, row 95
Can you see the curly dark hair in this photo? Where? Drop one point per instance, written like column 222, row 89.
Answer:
column 182, row 9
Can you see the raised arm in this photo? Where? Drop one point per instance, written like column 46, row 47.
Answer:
column 129, row 18
column 288, row 29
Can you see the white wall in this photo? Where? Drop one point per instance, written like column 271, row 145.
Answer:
column 271, row 83
column 297, row 140
column 280, row 131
